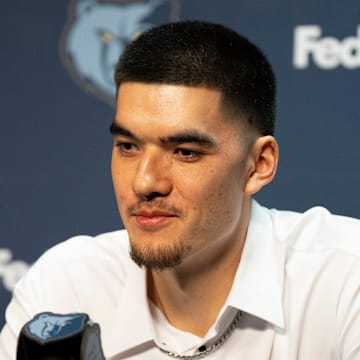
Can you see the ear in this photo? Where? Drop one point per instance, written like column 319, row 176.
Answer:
column 262, row 163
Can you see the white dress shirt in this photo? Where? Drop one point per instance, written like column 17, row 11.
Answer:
column 297, row 285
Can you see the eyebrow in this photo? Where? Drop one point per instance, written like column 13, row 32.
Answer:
column 186, row 136
column 116, row 129
column 189, row 136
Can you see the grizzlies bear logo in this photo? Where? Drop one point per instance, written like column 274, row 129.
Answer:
column 97, row 32
column 47, row 327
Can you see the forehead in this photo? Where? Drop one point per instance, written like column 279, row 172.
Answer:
column 167, row 108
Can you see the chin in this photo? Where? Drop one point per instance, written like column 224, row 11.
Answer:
column 158, row 257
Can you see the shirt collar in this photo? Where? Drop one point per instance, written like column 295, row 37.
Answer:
column 130, row 328
column 258, row 283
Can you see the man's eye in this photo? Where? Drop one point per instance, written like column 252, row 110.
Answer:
column 126, row 148
column 187, row 154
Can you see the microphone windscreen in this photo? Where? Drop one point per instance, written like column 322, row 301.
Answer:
column 50, row 336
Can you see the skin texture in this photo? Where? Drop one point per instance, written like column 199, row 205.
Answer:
column 183, row 174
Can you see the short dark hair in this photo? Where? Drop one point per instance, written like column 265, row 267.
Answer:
column 196, row 53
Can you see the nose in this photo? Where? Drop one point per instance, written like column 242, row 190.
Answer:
column 152, row 178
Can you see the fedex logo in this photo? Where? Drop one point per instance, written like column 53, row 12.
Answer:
column 326, row 52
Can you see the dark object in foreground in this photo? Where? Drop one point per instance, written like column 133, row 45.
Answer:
column 50, row 336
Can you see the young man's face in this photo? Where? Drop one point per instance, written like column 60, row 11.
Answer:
column 179, row 169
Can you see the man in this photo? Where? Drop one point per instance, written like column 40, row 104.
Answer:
column 210, row 273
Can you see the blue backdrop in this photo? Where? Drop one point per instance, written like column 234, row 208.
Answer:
column 56, row 106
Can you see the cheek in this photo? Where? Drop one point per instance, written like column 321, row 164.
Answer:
column 225, row 201
column 114, row 171
column 120, row 181
column 217, row 194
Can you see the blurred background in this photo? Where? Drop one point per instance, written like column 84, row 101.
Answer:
column 57, row 98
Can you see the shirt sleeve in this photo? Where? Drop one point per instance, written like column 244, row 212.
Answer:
column 38, row 290
column 63, row 280
column 348, row 314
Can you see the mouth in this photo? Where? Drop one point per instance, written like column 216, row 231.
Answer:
column 152, row 220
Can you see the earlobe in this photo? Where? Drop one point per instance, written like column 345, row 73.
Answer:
column 263, row 159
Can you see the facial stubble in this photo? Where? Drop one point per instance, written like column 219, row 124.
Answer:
column 159, row 257
column 169, row 253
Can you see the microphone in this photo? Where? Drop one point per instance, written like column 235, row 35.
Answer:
column 50, row 336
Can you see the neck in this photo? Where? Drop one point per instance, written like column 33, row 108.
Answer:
column 192, row 294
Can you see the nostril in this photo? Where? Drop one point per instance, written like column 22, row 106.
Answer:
column 153, row 195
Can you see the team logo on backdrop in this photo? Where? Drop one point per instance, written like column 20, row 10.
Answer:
column 325, row 52
column 97, row 32
column 10, row 271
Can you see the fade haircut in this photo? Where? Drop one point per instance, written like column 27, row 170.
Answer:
column 202, row 54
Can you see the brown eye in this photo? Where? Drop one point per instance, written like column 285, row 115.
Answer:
column 126, row 148
column 188, row 155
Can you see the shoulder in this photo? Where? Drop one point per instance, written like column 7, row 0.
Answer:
column 316, row 229
column 111, row 245
column 77, row 267
column 86, row 274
